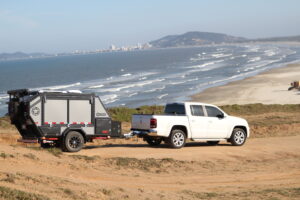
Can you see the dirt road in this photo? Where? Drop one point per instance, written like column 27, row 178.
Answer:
column 262, row 168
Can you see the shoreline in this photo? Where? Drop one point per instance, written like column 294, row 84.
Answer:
column 269, row 87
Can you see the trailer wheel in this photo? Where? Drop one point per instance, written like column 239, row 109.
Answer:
column 153, row 141
column 73, row 142
column 238, row 137
column 177, row 139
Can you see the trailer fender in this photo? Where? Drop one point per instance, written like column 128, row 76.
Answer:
column 67, row 130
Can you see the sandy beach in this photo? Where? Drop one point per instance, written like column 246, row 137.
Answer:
column 270, row 87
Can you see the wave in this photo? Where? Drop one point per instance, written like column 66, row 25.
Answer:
column 254, row 59
column 155, row 89
column 96, row 86
column 162, row 96
column 128, row 74
column 58, row 87
column 4, row 97
column 205, row 64
column 220, row 55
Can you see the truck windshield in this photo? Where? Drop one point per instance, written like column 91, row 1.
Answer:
column 175, row 109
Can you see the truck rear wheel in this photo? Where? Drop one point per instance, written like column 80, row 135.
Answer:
column 238, row 137
column 177, row 139
column 153, row 141
column 73, row 142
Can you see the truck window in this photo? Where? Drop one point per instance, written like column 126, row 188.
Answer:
column 175, row 109
column 197, row 110
column 213, row 111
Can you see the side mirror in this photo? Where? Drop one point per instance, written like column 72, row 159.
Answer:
column 220, row 116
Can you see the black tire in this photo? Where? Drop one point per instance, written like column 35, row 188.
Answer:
column 213, row 143
column 238, row 137
column 177, row 139
column 153, row 141
column 73, row 142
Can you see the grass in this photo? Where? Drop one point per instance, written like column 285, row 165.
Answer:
column 5, row 155
column 54, row 151
column 13, row 194
column 86, row 158
column 144, row 164
column 30, row 156
column 274, row 193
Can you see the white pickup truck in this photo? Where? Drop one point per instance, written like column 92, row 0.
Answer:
column 190, row 120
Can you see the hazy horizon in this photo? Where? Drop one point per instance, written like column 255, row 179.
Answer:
column 55, row 27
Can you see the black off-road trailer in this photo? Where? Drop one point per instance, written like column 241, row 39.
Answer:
column 62, row 119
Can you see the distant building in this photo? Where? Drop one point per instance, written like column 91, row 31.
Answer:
column 112, row 47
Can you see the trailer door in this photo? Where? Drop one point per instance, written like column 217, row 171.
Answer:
column 80, row 112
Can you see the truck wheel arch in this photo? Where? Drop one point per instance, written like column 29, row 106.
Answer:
column 180, row 127
column 241, row 127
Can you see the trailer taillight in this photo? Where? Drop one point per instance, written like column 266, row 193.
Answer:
column 153, row 123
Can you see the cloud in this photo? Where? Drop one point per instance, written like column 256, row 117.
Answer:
column 13, row 19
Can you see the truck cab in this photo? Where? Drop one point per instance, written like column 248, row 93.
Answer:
column 191, row 120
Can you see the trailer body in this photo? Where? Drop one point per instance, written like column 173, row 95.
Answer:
column 48, row 117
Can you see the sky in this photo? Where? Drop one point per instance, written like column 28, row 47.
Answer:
column 56, row 26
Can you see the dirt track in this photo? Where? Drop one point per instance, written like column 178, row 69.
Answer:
column 262, row 168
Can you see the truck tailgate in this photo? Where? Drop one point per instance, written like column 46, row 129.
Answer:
column 141, row 122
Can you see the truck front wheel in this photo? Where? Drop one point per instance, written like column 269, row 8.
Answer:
column 238, row 137
column 177, row 139
column 153, row 141
column 73, row 142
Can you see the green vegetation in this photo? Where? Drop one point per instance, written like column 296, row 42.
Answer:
column 86, row 158
column 13, row 194
column 5, row 123
column 4, row 155
column 124, row 114
column 53, row 150
column 254, row 109
column 144, row 164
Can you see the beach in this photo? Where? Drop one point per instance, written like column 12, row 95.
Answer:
column 270, row 87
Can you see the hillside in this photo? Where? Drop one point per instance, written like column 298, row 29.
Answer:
column 195, row 39
column 266, row 167
column 280, row 39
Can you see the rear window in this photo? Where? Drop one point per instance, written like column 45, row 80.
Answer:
column 197, row 110
column 175, row 109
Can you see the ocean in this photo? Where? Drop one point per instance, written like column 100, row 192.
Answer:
column 145, row 77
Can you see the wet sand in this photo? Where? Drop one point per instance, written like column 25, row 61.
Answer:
column 269, row 87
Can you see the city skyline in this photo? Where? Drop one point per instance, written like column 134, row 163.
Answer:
column 55, row 27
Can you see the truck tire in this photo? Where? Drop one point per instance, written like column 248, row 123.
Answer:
column 177, row 139
column 73, row 142
column 213, row 143
column 153, row 141
column 238, row 137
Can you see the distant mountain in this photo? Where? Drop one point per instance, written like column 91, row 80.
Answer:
column 279, row 39
column 21, row 55
column 195, row 39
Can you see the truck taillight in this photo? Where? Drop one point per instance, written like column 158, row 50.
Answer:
column 153, row 123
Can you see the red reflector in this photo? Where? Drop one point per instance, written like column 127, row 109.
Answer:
column 105, row 131
column 90, row 123
column 52, row 138
column 46, row 123
column 36, row 122
column 153, row 123
column 53, row 122
column 81, row 122
column 62, row 122
column 74, row 122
